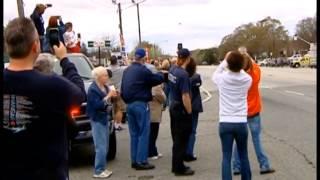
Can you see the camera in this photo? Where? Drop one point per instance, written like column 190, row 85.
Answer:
column 54, row 37
column 48, row 5
column 79, row 35
column 179, row 46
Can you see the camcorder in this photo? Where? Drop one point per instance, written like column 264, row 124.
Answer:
column 54, row 37
column 179, row 46
column 48, row 5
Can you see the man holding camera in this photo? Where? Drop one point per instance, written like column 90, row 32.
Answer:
column 37, row 19
column 36, row 108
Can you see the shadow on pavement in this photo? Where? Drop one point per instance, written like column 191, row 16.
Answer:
column 81, row 155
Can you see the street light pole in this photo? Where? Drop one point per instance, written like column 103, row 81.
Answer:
column 20, row 8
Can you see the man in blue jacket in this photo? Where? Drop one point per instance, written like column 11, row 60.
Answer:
column 136, row 85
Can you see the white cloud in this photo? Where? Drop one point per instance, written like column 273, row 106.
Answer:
column 203, row 22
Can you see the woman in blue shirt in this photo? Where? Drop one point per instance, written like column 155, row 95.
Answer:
column 99, row 109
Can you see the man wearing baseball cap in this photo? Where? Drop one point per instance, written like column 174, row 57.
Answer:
column 180, row 112
column 137, row 81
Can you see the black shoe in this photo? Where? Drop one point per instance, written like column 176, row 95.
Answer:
column 144, row 166
column 185, row 167
column 236, row 173
column 186, row 172
column 189, row 158
column 134, row 165
column 268, row 171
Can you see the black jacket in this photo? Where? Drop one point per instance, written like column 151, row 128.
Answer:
column 38, row 22
column 195, row 93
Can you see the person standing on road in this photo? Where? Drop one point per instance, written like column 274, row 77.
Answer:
column 37, row 19
column 254, row 119
column 136, row 85
column 99, row 109
column 119, row 107
column 180, row 110
column 165, row 65
column 36, row 108
column 195, row 80
column 158, row 99
column 233, row 85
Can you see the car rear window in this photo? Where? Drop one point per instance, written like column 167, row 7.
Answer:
column 82, row 65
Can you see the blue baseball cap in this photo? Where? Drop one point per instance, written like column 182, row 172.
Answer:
column 183, row 53
column 140, row 53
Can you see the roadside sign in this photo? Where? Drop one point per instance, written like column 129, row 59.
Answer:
column 90, row 44
column 107, row 43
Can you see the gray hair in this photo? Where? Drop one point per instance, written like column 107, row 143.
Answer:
column 98, row 71
column 44, row 63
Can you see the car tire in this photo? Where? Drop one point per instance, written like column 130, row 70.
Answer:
column 112, row 146
column 296, row 65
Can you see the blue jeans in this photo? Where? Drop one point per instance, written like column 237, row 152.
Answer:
column 192, row 138
column 100, row 134
column 228, row 133
column 139, row 128
column 255, row 128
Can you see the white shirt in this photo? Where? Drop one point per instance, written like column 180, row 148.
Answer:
column 70, row 38
column 233, row 90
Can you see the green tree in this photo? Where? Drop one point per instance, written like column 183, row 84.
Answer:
column 265, row 36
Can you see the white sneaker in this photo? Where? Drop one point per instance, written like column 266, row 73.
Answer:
column 104, row 174
column 154, row 157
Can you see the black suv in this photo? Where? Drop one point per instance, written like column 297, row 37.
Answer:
column 83, row 126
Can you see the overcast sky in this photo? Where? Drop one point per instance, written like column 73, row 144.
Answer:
column 195, row 23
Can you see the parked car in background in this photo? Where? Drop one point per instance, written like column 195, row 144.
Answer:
column 84, row 135
column 263, row 62
column 271, row 62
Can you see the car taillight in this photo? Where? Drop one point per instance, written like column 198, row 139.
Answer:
column 75, row 111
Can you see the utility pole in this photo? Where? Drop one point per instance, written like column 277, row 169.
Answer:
column 138, row 14
column 20, row 8
column 139, row 24
column 120, row 24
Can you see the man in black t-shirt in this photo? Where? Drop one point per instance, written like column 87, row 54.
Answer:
column 36, row 108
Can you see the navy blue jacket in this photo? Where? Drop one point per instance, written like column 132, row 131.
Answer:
column 38, row 22
column 137, row 81
column 195, row 93
column 97, row 109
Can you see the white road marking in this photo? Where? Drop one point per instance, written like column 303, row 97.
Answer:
column 207, row 93
column 294, row 92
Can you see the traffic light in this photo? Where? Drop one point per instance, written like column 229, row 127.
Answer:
column 90, row 44
column 107, row 43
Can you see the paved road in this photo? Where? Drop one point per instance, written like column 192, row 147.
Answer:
column 289, row 134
